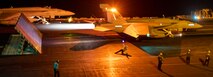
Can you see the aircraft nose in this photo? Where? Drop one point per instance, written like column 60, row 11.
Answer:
column 198, row 25
column 193, row 24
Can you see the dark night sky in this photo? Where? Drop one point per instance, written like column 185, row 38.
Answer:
column 128, row 8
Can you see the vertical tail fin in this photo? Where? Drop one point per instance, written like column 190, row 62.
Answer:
column 113, row 16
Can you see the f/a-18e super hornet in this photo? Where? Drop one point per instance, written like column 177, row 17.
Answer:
column 9, row 16
column 153, row 28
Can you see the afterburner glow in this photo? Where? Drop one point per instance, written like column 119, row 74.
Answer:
column 66, row 26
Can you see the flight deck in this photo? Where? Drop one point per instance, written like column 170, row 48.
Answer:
column 91, row 53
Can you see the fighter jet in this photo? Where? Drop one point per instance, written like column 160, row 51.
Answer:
column 153, row 28
column 9, row 16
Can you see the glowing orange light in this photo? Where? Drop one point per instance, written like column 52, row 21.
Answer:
column 70, row 19
column 113, row 10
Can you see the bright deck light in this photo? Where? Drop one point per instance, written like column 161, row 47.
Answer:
column 180, row 34
column 196, row 17
column 123, row 41
column 148, row 35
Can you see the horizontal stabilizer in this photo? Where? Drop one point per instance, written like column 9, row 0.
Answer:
column 100, row 28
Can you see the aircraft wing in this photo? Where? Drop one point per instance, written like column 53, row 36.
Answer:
column 134, row 29
column 183, row 24
column 8, row 16
column 137, row 29
column 104, row 27
column 11, row 18
column 99, row 28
